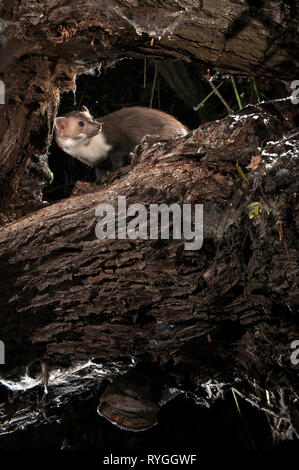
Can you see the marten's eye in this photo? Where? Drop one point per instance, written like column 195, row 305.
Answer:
column 81, row 124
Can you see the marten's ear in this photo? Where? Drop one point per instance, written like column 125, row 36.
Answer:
column 85, row 110
column 60, row 123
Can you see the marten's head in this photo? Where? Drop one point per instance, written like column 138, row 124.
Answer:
column 77, row 125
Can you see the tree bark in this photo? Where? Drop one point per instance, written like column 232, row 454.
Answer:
column 43, row 48
column 223, row 313
column 75, row 309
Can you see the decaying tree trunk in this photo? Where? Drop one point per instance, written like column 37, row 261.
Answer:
column 74, row 308
column 223, row 313
column 44, row 45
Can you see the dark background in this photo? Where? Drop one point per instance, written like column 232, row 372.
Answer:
column 177, row 89
column 183, row 425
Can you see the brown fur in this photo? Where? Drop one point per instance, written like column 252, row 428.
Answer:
column 114, row 135
column 128, row 126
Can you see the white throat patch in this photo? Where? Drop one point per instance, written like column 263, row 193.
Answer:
column 89, row 151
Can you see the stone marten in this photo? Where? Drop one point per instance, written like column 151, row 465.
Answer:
column 106, row 142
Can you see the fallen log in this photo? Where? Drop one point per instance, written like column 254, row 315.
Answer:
column 86, row 308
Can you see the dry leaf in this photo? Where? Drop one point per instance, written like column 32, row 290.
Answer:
column 255, row 162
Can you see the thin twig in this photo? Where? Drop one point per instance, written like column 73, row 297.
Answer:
column 236, row 92
column 256, row 90
column 219, row 95
column 144, row 73
column 196, row 108
column 154, row 85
